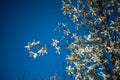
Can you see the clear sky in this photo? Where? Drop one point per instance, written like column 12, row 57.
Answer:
column 22, row 21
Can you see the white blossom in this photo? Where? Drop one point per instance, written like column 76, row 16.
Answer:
column 78, row 76
column 42, row 51
column 69, row 70
column 71, row 58
column 64, row 25
column 28, row 47
column 34, row 43
column 57, row 49
column 33, row 54
column 66, row 32
column 72, row 45
column 79, row 66
column 75, row 18
column 31, row 45
column 54, row 42
column 88, row 38
column 112, row 23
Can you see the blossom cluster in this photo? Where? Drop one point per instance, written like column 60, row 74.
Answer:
column 102, row 46
column 42, row 50
column 95, row 56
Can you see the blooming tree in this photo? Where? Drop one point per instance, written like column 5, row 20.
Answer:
column 95, row 56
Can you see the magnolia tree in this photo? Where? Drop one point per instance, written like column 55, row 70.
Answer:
column 95, row 56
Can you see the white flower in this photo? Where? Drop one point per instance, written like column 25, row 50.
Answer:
column 74, row 10
column 66, row 9
column 38, row 42
column 33, row 54
column 72, row 45
column 55, row 42
column 88, row 49
column 79, row 66
column 31, row 45
column 64, row 25
column 88, row 37
column 75, row 18
column 66, row 32
column 28, row 46
column 78, row 76
column 71, row 59
column 95, row 58
column 57, row 49
column 42, row 51
column 73, row 36
column 112, row 23
column 76, row 52
column 34, row 43
column 81, row 51
column 110, row 49
column 77, row 39
column 69, row 70
column 77, row 26
column 92, row 67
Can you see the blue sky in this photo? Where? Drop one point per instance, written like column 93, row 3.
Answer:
column 23, row 21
